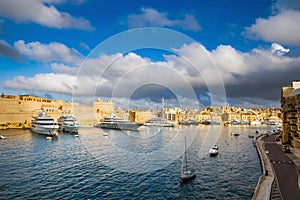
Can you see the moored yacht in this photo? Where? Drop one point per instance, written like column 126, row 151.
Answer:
column 158, row 121
column 214, row 150
column 44, row 125
column 68, row 123
column 118, row 123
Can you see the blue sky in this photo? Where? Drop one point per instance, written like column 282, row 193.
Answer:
column 202, row 52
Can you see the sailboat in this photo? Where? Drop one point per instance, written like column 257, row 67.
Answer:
column 186, row 173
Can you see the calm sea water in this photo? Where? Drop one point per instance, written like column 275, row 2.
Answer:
column 128, row 165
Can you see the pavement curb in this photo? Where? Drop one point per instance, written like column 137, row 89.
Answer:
column 264, row 185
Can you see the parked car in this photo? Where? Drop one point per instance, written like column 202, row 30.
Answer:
column 286, row 148
column 277, row 138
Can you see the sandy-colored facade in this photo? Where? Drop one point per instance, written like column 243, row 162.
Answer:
column 17, row 111
column 141, row 116
column 290, row 106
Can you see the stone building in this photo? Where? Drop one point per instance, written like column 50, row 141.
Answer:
column 188, row 114
column 102, row 109
column 141, row 116
column 290, row 106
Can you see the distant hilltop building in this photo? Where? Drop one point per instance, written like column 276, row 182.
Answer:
column 17, row 111
column 290, row 106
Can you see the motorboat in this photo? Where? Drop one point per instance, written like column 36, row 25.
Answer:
column 215, row 122
column 244, row 122
column 255, row 123
column 186, row 172
column 118, row 124
column 44, row 125
column 186, row 123
column 235, row 122
column 189, row 122
column 158, row 121
column 214, row 150
column 236, row 134
column 105, row 134
column 206, row 122
column 2, row 137
column 68, row 123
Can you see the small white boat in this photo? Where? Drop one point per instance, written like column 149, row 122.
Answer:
column 255, row 123
column 214, row 150
column 48, row 138
column 2, row 137
column 105, row 134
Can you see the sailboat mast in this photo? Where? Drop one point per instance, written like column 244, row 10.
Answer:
column 162, row 107
column 185, row 155
column 182, row 163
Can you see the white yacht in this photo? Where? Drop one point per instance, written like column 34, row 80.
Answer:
column 68, row 123
column 255, row 123
column 158, row 121
column 43, row 124
column 118, row 123
column 214, row 150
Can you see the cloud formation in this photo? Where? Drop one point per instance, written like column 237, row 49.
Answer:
column 53, row 52
column 283, row 28
column 7, row 51
column 42, row 12
column 152, row 17
column 279, row 50
column 257, row 76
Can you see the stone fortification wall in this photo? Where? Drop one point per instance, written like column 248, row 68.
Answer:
column 17, row 111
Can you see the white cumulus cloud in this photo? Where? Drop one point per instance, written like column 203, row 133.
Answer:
column 152, row 17
column 37, row 11
column 48, row 52
column 61, row 83
column 283, row 28
column 279, row 50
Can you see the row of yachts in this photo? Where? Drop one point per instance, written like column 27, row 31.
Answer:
column 46, row 125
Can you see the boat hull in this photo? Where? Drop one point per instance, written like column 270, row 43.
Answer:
column 185, row 179
column 69, row 129
column 49, row 131
column 212, row 154
column 158, row 125
column 117, row 126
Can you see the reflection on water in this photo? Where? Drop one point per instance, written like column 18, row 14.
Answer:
column 129, row 164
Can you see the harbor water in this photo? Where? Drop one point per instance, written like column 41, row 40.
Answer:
column 141, row 164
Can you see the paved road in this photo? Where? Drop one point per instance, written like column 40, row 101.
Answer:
column 285, row 169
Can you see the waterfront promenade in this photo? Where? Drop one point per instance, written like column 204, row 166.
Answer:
column 280, row 179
